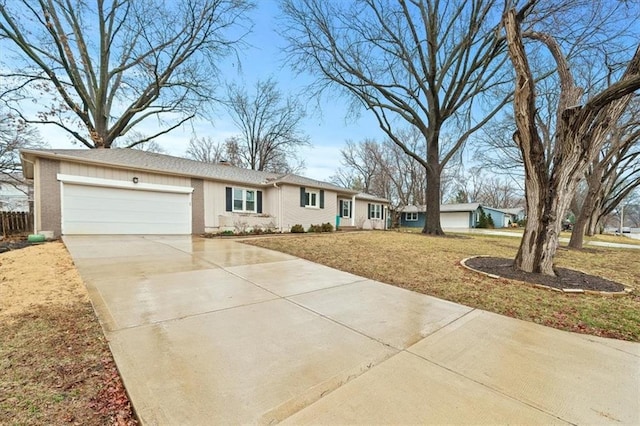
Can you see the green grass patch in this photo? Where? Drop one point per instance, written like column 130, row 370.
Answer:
column 430, row 265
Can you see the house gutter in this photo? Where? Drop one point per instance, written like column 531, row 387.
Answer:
column 353, row 210
column 275, row 185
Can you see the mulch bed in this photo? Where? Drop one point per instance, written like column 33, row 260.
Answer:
column 13, row 245
column 564, row 279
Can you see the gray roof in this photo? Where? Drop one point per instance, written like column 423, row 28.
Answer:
column 370, row 197
column 167, row 164
column 515, row 210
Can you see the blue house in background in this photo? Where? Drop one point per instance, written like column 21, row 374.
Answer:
column 462, row 216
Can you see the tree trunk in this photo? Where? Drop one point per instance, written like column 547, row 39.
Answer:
column 432, row 215
column 593, row 226
column 588, row 206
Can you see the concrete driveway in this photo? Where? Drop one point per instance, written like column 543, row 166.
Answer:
column 217, row 332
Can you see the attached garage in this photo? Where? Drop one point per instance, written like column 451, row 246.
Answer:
column 99, row 206
column 454, row 219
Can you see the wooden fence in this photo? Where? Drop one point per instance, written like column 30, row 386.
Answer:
column 15, row 223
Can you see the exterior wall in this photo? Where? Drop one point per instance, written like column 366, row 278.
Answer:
column 217, row 219
column 413, row 223
column 444, row 216
column 344, row 221
column 197, row 206
column 48, row 215
column 293, row 214
column 78, row 169
column 499, row 218
column 360, row 213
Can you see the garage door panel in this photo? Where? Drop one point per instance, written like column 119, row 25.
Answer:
column 454, row 219
column 104, row 210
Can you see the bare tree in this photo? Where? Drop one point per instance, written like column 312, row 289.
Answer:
column 205, row 149
column 106, row 67
column 270, row 126
column 383, row 169
column 610, row 177
column 581, row 127
column 360, row 165
column 14, row 136
column 431, row 64
column 129, row 141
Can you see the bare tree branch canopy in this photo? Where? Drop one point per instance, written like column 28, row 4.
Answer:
column 425, row 63
column 14, row 136
column 101, row 68
column 580, row 132
column 269, row 124
column 205, row 149
column 611, row 176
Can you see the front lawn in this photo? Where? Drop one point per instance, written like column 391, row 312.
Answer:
column 430, row 265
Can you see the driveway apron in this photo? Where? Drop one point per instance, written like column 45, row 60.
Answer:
column 213, row 331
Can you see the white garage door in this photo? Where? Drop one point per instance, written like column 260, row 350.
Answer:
column 454, row 219
column 104, row 210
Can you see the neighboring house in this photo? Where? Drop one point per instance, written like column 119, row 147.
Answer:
column 126, row 191
column 518, row 213
column 452, row 216
column 14, row 192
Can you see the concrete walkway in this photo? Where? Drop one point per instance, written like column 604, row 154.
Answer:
column 216, row 332
column 562, row 239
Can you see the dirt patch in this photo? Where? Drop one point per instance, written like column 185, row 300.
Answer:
column 564, row 279
column 55, row 364
column 40, row 274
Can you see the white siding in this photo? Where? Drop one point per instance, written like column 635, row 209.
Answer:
column 216, row 218
column 293, row 214
column 361, row 213
column 77, row 169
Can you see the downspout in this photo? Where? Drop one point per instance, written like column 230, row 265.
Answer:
column 32, row 192
column 353, row 210
column 275, row 185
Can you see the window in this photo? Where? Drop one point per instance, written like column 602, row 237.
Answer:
column 243, row 200
column 411, row 216
column 311, row 199
column 345, row 208
column 375, row 211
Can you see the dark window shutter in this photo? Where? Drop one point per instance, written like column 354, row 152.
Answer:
column 341, row 207
column 322, row 198
column 229, row 199
column 381, row 212
column 368, row 211
column 259, row 201
column 350, row 208
column 302, row 200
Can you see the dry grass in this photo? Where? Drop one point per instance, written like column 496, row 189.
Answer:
column 430, row 265
column 55, row 364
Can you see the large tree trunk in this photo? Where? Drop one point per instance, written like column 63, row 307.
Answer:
column 432, row 214
column 580, row 133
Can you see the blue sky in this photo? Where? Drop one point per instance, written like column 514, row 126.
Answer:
column 326, row 124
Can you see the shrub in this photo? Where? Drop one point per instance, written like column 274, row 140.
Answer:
column 483, row 221
column 297, row 229
column 315, row 228
column 490, row 223
column 327, row 227
column 227, row 232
